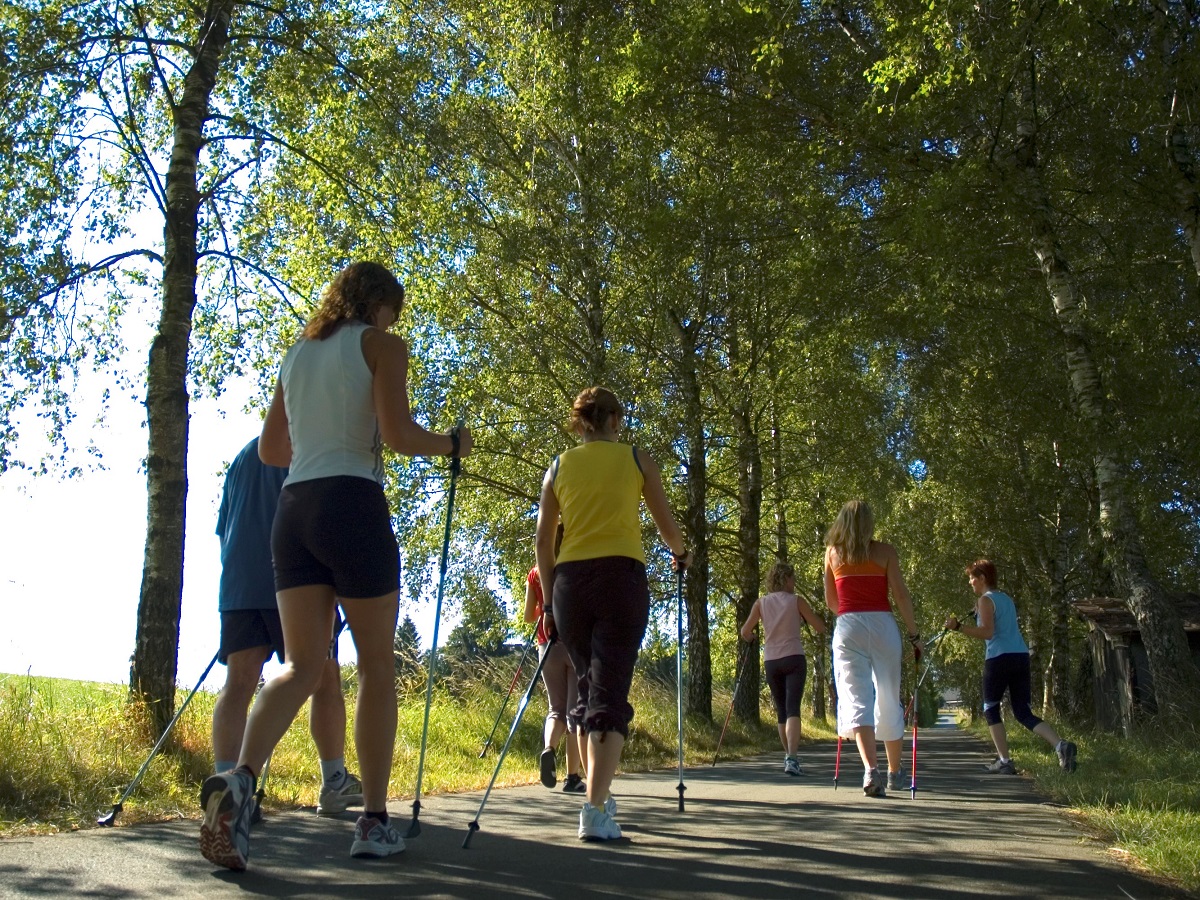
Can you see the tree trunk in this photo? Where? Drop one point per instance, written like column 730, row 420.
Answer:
column 695, row 525
column 749, row 541
column 1176, row 678
column 1182, row 167
column 155, row 656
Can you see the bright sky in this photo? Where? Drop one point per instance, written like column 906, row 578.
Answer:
column 71, row 563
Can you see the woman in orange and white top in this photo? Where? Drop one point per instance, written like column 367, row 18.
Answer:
column 859, row 574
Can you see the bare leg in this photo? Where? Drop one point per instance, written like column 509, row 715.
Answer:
column 1046, row 732
column 1000, row 739
column 373, row 625
column 581, row 745
column 604, row 754
column 306, row 614
column 864, row 736
column 573, row 764
column 244, row 668
column 791, row 729
column 893, row 750
column 783, row 737
column 552, row 733
column 327, row 715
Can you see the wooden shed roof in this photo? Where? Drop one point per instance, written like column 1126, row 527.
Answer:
column 1112, row 616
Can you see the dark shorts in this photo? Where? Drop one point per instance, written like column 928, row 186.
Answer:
column 1008, row 672
column 785, row 678
column 242, row 629
column 335, row 531
column 601, row 609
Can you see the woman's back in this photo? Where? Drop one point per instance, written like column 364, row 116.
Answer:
column 781, row 625
column 599, row 489
column 327, row 389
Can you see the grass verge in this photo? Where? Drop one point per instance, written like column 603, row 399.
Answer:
column 1139, row 795
column 70, row 748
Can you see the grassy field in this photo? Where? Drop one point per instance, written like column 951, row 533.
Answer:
column 1141, row 795
column 70, row 748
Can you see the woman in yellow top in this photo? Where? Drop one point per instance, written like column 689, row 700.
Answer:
column 598, row 586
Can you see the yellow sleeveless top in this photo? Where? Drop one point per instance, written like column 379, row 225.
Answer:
column 599, row 491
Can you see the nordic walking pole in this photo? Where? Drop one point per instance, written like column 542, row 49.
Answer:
column 837, row 762
column 679, row 671
column 736, row 684
column 507, row 697
column 109, row 819
column 537, row 673
column 414, row 829
column 930, row 645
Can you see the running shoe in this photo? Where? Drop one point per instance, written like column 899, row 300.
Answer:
column 873, row 784
column 228, row 803
column 898, row 781
column 1001, row 767
column 549, row 768
column 1066, row 755
column 335, row 801
column 597, row 824
column 374, row 839
column 610, row 805
column 791, row 766
column 574, row 785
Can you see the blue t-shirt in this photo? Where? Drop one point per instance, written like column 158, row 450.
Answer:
column 244, row 521
column 1006, row 635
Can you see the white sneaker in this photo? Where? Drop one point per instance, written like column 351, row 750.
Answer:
column 373, row 838
column 610, row 805
column 791, row 766
column 335, row 801
column 597, row 825
column 873, row 784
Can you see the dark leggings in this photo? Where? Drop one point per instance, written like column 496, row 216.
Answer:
column 785, row 678
column 601, row 609
column 1008, row 671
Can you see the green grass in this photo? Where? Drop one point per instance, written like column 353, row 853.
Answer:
column 70, row 748
column 1141, row 795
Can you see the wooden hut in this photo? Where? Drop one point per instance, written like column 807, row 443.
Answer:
column 1122, row 686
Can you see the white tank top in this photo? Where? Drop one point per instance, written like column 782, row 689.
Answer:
column 327, row 392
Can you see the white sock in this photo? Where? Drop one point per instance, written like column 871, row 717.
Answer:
column 333, row 771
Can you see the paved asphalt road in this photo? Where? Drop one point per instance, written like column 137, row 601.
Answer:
column 748, row 831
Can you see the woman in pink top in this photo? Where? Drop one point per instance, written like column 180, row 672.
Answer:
column 859, row 574
column 783, row 653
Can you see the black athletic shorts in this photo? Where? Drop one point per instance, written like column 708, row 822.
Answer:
column 242, row 629
column 335, row 531
column 601, row 609
column 785, row 678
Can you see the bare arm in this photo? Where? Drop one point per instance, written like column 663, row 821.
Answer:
column 899, row 589
column 985, row 609
column 752, row 621
column 547, row 525
column 387, row 357
column 275, row 444
column 531, row 604
column 831, row 598
column 813, row 620
column 660, row 510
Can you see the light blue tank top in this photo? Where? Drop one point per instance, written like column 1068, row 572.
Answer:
column 1006, row 637
column 327, row 392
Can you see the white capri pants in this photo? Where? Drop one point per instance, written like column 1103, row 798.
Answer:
column 866, row 666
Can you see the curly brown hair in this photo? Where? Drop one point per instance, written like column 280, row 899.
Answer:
column 357, row 292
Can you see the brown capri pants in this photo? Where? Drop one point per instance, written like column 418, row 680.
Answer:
column 601, row 609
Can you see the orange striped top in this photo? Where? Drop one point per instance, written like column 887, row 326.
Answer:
column 861, row 587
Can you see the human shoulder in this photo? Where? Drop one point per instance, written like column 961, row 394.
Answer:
column 380, row 345
column 883, row 552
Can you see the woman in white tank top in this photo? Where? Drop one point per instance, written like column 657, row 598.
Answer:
column 341, row 395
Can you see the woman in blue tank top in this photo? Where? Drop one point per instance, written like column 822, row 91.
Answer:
column 1005, row 668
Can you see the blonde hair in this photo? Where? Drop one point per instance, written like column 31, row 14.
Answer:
column 592, row 408
column 353, row 296
column 852, row 531
column 779, row 573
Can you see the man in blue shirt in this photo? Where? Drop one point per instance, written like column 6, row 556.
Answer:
column 251, row 630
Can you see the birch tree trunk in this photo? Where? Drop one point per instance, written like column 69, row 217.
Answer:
column 155, row 656
column 1176, row 678
column 749, row 541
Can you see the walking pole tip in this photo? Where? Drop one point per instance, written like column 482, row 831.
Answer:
column 108, row 820
column 414, row 828
column 471, row 829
